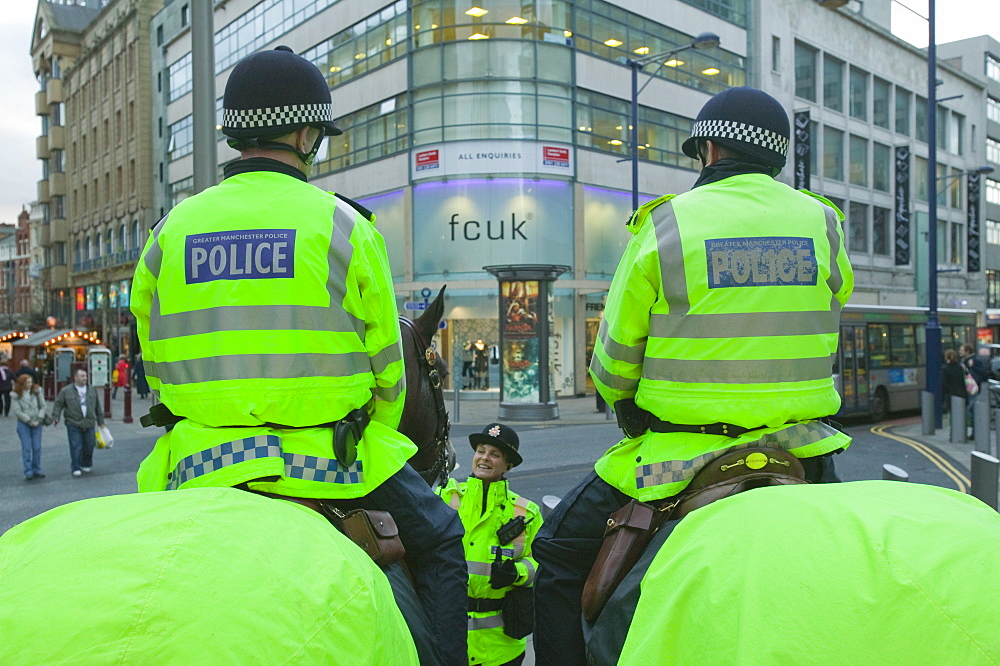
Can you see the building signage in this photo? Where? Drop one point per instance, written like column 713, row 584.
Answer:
column 803, row 146
column 902, row 204
column 974, row 253
column 467, row 158
column 461, row 225
column 427, row 159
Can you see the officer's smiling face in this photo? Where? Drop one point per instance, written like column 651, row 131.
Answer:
column 489, row 463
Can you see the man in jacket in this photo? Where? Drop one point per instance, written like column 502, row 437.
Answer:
column 267, row 320
column 718, row 333
column 83, row 411
column 6, row 386
column 499, row 529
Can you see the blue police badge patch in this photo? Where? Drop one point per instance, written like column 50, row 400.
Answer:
column 760, row 262
column 239, row 255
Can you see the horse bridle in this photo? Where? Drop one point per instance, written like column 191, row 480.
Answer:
column 428, row 364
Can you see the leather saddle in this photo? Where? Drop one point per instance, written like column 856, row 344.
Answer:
column 631, row 528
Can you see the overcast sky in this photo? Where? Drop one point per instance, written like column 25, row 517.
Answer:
column 956, row 19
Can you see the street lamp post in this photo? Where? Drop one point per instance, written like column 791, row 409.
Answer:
column 705, row 40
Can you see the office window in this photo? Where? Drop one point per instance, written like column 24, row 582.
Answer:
column 881, row 166
column 859, row 160
column 181, row 138
column 775, row 53
column 833, row 83
column 881, row 92
column 956, row 131
column 857, row 227
column 920, row 121
column 859, row 93
column 992, row 150
column 880, row 230
column 955, row 186
column 814, row 149
column 993, row 191
column 992, row 67
column 993, row 235
column 918, row 179
column 992, row 109
column 957, row 244
column 805, row 72
column 184, row 16
column 179, row 78
column 941, row 120
column 833, row 154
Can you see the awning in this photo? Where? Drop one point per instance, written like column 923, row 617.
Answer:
column 55, row 337
column 7, row 336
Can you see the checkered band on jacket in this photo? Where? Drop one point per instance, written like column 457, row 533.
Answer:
column 742, row 132
column 277, row 116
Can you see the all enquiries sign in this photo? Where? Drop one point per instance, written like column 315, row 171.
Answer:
column 491, row 157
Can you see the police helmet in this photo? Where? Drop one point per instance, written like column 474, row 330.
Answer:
column 273, row 93
column 746, row 120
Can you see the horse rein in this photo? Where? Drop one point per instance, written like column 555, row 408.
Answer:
column 428, row 363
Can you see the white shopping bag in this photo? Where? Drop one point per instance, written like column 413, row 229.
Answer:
column 104, row 438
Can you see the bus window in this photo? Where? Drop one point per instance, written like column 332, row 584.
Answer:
column 903, row 341
column 878, row 346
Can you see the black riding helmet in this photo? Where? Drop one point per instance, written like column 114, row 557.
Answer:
column 271, row 94
column 746, row 120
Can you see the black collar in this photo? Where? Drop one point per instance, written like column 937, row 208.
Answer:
column 729, row 167
column 262, row 164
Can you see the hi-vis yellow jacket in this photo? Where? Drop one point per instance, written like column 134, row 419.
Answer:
column 206, row 576
column 483, row 511
column 725, row 308
column 266, row 299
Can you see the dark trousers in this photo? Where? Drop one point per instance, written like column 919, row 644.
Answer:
column 566, row 547
column 5, row 402
column 431, row 532
column 81, row 446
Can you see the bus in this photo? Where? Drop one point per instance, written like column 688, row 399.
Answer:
column 879, row 366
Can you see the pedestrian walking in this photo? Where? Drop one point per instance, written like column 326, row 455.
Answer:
column 139, row 377
column 121, row 376
column 29, row 409
column 83, row 414
column 26, row 369
column 6, row 386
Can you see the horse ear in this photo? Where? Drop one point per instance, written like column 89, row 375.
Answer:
column 428, row 321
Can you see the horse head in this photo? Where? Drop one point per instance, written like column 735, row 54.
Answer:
column 425, row 419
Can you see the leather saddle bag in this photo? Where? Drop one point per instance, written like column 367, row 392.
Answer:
column 630, row 529
column 374, row 532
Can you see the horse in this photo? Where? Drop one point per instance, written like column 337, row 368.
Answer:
column 425, row 418
column 857, row 572
column 291, row 588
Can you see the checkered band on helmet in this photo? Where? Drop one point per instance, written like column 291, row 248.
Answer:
column 281, row 116
column 741, row 132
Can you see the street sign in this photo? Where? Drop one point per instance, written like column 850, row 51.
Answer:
column 413, row 305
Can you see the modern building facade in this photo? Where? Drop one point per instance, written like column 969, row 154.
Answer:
column 92, row 60
column 980, row 58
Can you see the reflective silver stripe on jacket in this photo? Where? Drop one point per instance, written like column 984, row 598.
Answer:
column 790, row 438
column 671, row 254
column 154, row 255
column 745, row 324
column 490, row 622
column 738, row 371
column 297, row 466
column 836, row 279
column 255, row 366
column 478, row 568
column 627, row 354
column 339, row 259
column 531, row 572
column 613, row 381
column 382, row 360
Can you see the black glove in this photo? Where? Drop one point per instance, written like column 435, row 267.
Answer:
column 502, row 574
column 632, row 418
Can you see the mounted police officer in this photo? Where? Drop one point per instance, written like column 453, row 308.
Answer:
column 718, row 335
column 268, row 325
